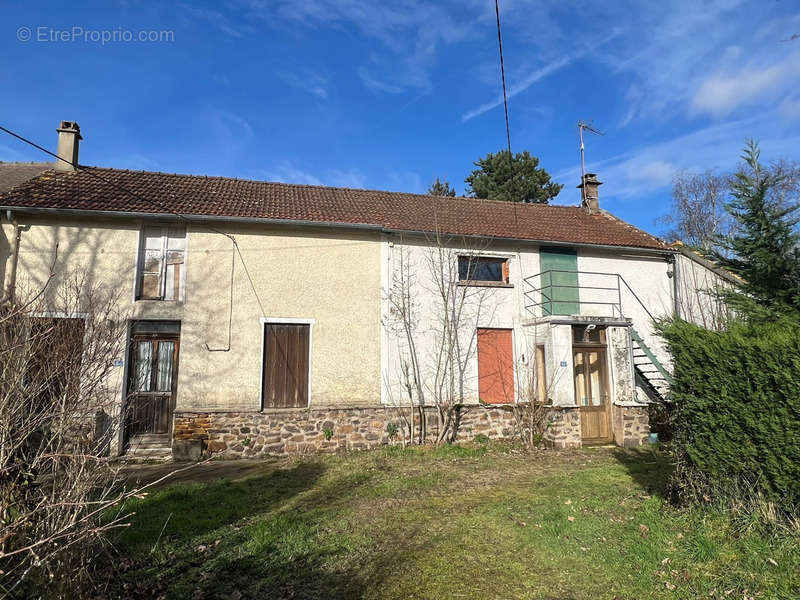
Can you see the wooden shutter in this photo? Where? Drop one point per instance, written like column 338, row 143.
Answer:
column 285, row 365
column 559, row 269
column 495, row 366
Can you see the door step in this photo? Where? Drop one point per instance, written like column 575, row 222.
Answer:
column 149, row 447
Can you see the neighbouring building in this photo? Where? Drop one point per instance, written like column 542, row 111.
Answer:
column 269, row 318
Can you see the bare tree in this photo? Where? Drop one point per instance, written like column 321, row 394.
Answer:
column 435, row 345
column 697, row 215
column 58, row 419
column 698, row 209
column 786, row 190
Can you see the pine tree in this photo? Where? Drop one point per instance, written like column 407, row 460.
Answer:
column 762, row 248
column 517, row 180
column 441, row 188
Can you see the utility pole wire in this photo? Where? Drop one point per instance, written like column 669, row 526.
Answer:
column 505, row 104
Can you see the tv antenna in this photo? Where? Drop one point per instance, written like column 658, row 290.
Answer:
column 591, row 129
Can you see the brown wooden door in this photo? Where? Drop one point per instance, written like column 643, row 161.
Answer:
column 151, row 384
column 286, row 365
column 495, row 366
column 591, row 393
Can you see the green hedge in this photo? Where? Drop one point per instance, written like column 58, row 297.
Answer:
column 737, row 411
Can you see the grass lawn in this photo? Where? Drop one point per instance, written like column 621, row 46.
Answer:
column 455, row 522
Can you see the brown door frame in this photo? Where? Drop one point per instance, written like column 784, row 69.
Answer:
column 131, row 394
column 602, row 349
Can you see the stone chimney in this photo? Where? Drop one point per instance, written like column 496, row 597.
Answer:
column 590, row 197
column 69, row 137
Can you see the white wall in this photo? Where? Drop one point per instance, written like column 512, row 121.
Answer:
column 695, row 282
column 504, row 307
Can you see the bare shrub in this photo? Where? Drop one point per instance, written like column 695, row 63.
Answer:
column 58, row 420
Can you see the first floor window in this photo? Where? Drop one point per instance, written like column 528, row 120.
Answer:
column 482, row 269
column 161, row 263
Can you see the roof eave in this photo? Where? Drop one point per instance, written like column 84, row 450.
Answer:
column 74, row 212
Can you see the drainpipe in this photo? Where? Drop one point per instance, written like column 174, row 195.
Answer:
column 676, row 288
column 8, row 298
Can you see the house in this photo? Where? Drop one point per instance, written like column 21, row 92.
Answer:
column 263, row 317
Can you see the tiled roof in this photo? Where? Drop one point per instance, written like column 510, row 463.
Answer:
column 12, row 174
column 162, row 193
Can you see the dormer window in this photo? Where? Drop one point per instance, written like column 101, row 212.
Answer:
column 162, row 256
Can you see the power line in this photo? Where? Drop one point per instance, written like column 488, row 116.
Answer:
column 153, row 203
column 505, row 106
column 503, row 76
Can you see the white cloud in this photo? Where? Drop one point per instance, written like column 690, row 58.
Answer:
column 519, row 86
column 215, row 18
column 648, row 169
column 410, row 33
column 287, row 172
column 376, row 85
column 404, row 181
column 314, row 83
column 790, row 107
column 722, row 93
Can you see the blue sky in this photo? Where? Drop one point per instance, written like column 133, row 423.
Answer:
column 389, row 95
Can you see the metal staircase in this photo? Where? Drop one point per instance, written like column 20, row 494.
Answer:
column 591, row 293
column 648, row 370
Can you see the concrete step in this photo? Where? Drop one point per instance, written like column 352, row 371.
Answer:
column 149, row 447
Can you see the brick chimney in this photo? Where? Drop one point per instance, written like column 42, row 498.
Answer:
column 590, row 197
column 69, row 137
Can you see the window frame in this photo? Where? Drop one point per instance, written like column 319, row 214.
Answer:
column 504, row 261
column 141, row 259
column 263, row 322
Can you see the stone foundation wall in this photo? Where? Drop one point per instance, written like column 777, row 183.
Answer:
column 631, row 425
column 305, row 431
column 564, row 428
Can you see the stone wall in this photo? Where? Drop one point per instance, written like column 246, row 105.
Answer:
column 564, row 428
column 304, row 431
column 631, row 425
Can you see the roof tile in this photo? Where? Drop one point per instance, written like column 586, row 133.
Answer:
column 163, row 193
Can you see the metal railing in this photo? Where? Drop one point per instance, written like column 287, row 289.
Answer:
column 544, row 294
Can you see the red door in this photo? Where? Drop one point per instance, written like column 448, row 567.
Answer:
column 495, row 366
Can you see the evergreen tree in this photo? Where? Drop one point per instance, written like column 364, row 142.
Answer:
column 518, row 180
column 441, row 188
column 762, row 248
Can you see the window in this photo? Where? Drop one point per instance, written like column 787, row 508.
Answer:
column 583, row 334
column 482, row 269
column 161, row 263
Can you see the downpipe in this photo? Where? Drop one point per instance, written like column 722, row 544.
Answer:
column 8, row 297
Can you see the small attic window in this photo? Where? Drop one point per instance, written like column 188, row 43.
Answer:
column 161, row 274
column 482, row 269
